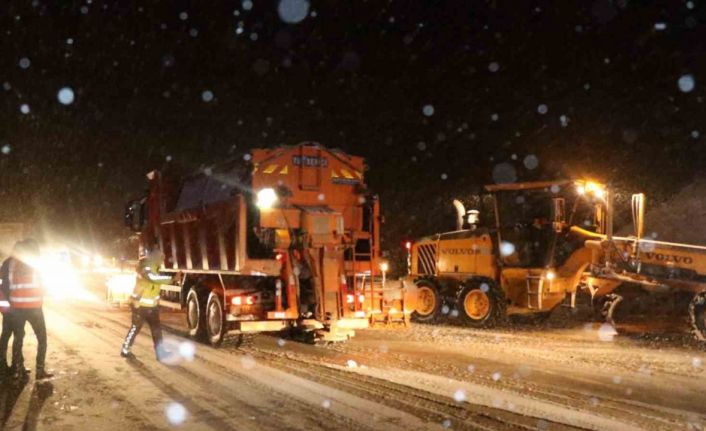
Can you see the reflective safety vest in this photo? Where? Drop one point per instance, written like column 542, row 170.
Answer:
column 4, row 302
column 25, row 289
column 149, row 282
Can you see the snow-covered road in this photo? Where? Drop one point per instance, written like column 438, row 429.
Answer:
column 423, row 377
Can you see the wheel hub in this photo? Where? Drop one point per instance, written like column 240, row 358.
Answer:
column 476, row 304
column 192, row 314
column 214, row 319
column 426, row 301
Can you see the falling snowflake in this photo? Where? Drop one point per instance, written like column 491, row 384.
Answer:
column 187, row 349
column 504, row 173
column 247, row 5
column 444, row 176
column 293, row 11
column 495, row 117
column 24, row 108
column 460, row 395
column 326, row 404
column 24, row 63
column 686, row 83
column 542, row 109
column 497, row 376
column 493, row 67
column 183, row 16
column 531, row 161
column 428, row 110
column 248, row 362
column 207, row 96
column 6, row 149
column 176, row 413
column 659, row 26
column 695, row 134
column 507, row 248
column 65, row 96
column 564, row 120
column 351, row 363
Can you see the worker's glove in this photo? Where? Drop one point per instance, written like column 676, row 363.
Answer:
column 134, row 301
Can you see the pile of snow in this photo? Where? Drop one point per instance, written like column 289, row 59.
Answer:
column 681, row 218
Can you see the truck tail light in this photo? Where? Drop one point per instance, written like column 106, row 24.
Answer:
column 240, row 300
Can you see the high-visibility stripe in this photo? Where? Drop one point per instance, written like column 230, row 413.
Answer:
column 358, row 174
column 26, row 299
column 148, row 301
column 334, row 174
column 158, row 277
column 285, row 170
column 23, row 286
column 270, row 169
column 4, row 304
column 347, row 174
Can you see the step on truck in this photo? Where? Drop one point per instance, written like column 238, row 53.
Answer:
column 282, row 239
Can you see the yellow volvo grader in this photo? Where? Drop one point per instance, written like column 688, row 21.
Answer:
column 533, row 244
column 517, row 255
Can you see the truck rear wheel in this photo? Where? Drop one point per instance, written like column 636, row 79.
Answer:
column 428, row 302
column 195, row 315
column 697, row 315
column 480, row 305
column 215, row 322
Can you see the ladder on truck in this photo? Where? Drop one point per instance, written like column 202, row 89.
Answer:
column 369, row 280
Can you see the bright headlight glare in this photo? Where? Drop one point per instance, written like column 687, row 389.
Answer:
column 266, row 198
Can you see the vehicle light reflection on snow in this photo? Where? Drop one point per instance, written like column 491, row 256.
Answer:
column 176, row 413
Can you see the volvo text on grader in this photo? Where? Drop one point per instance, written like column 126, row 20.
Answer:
column 536, row 244
column 288, row 238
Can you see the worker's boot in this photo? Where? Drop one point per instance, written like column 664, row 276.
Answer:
column 43, row 374
column 125, row 353
column 19, row 371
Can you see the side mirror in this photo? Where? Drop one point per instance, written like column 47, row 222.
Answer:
column 134, row 215
column 559, row 214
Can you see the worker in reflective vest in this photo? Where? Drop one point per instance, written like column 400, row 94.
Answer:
column 6, row 317
column 145, row 302
column 26, row 301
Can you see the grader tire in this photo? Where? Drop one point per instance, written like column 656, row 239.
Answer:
column 429, row 302
column 697, row 315
column 481, row 305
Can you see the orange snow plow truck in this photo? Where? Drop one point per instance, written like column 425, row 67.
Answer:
column 283, row 239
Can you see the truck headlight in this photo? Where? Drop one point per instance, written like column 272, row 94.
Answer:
column 266, row 198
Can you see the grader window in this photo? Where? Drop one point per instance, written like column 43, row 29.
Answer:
column 525, row 220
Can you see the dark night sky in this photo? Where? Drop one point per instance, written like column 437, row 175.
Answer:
column 586, row 90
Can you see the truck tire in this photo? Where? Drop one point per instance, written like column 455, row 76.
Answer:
column 195, row 315
column 697, row 315
column 481, row 305
column 215, row 320
column 428, row 302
